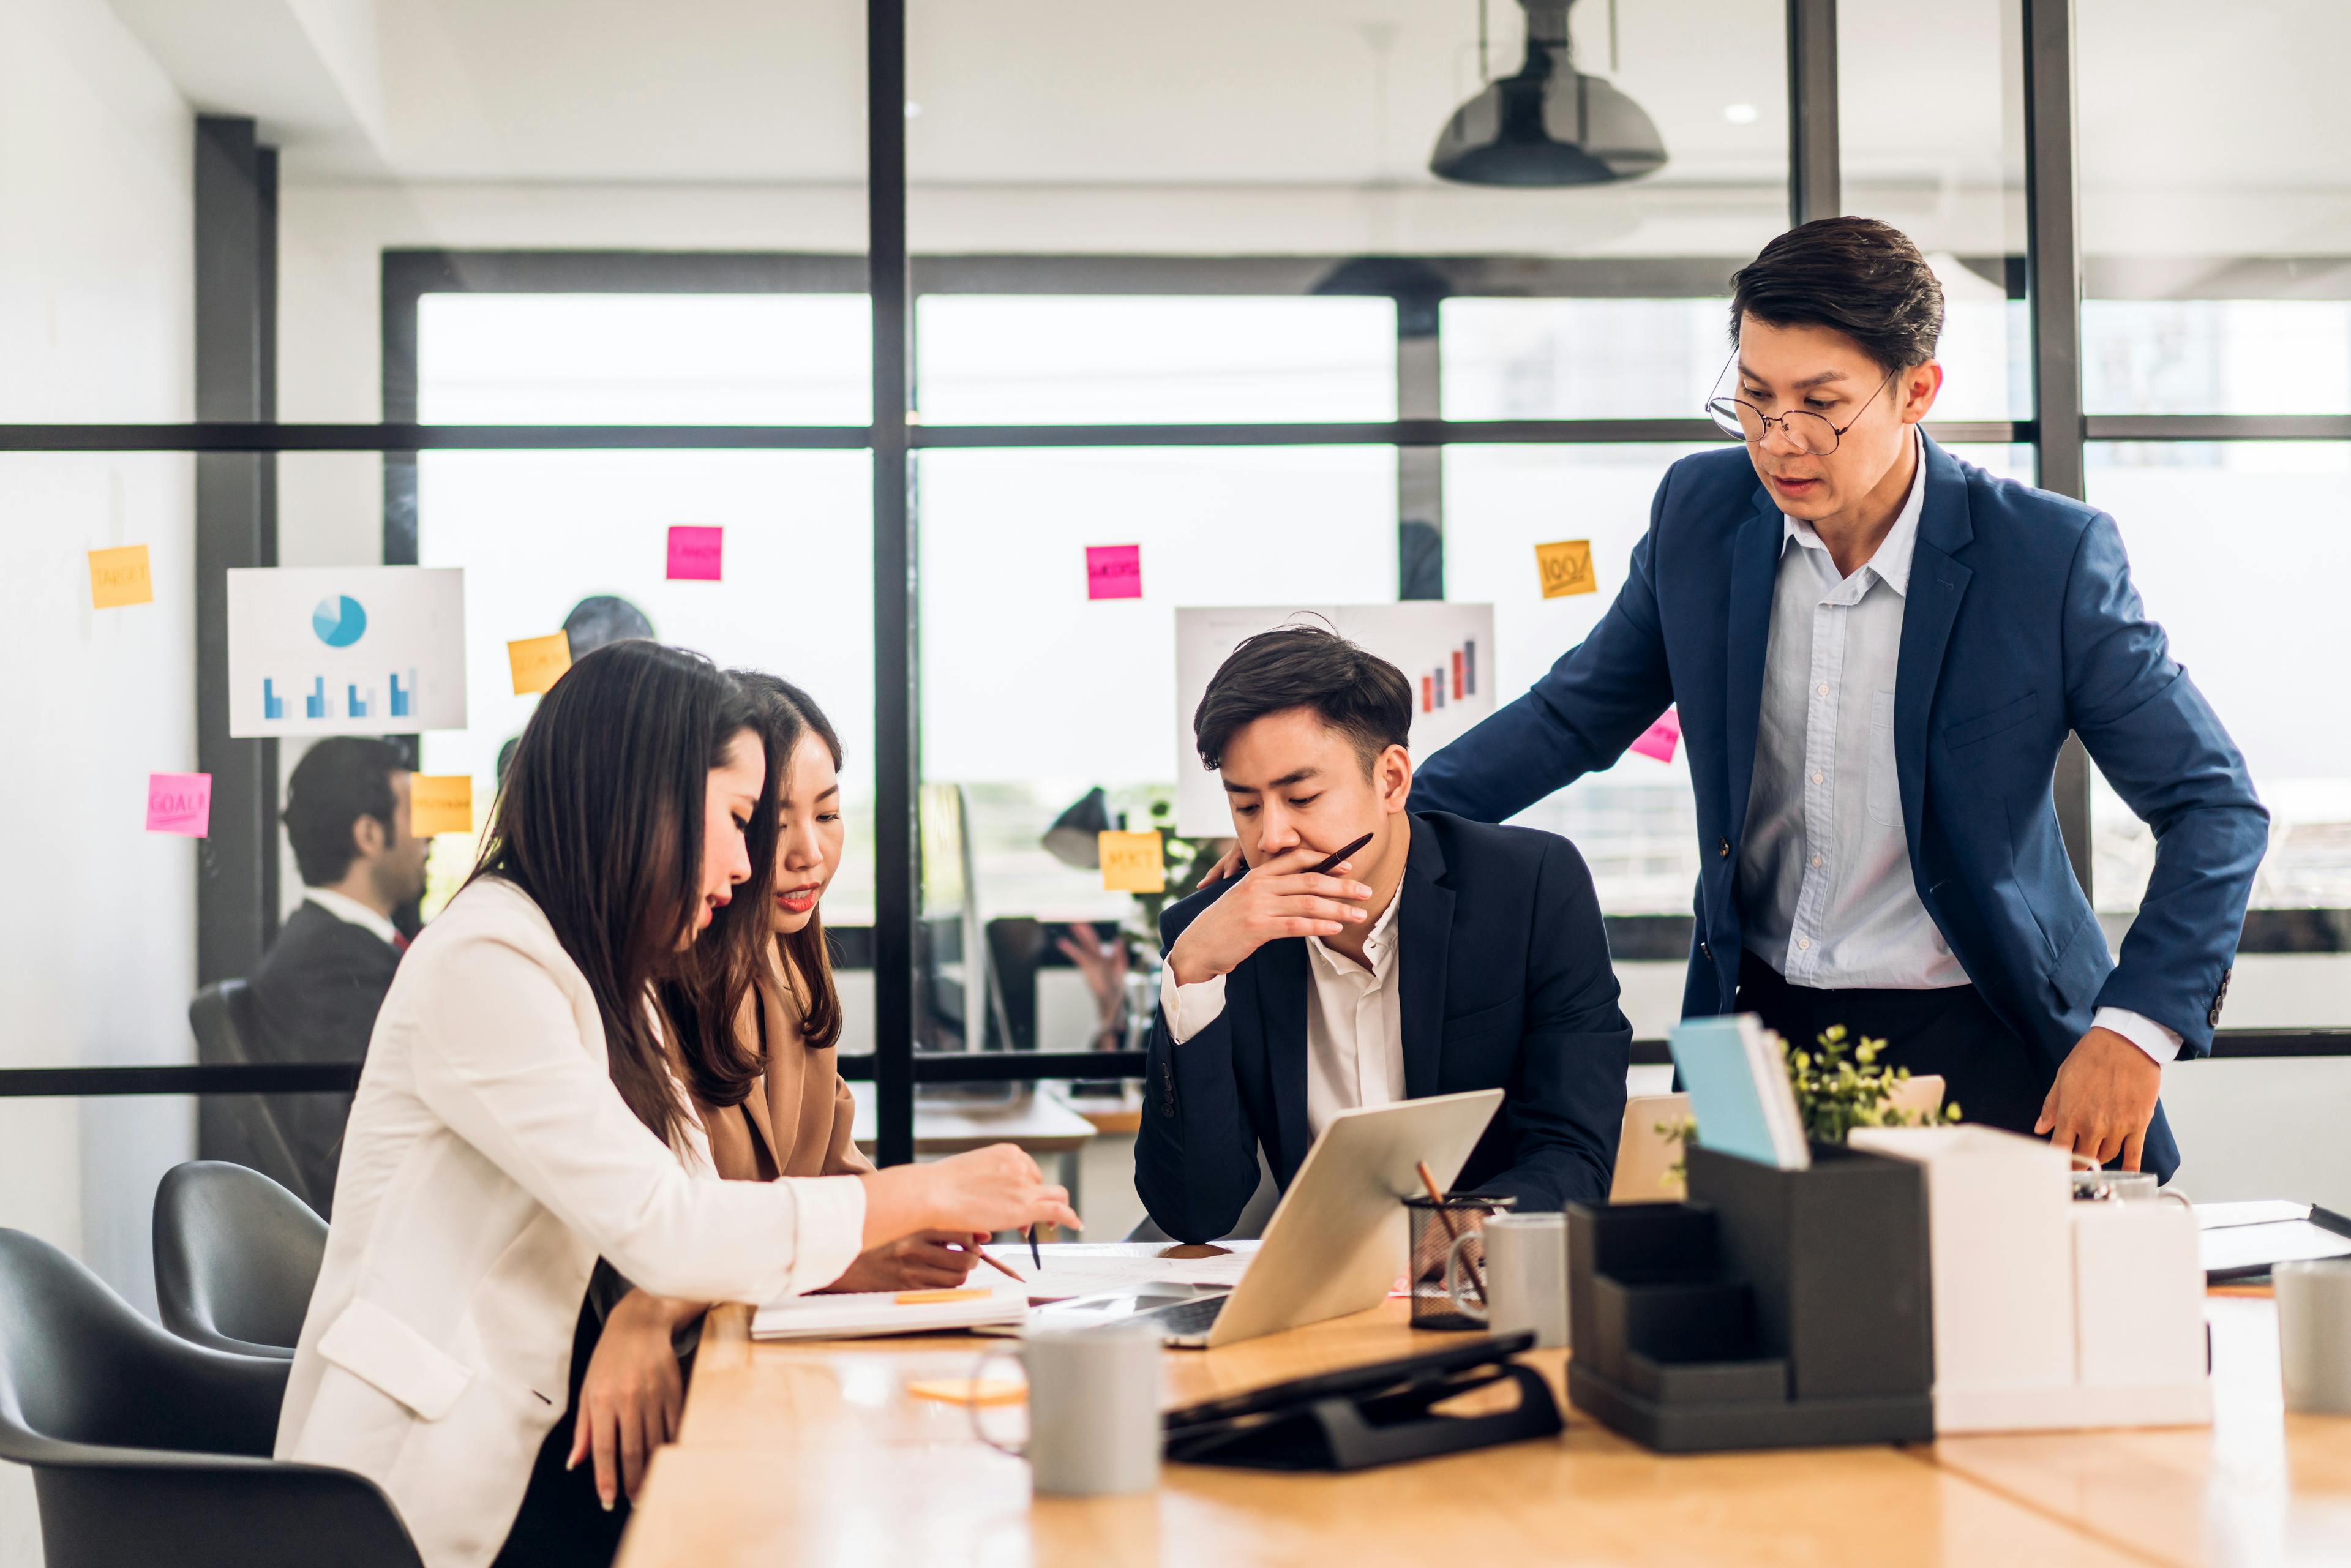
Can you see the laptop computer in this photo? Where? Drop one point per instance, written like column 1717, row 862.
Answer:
column 1336, row 1242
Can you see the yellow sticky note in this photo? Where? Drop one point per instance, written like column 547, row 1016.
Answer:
column 931, row 1298
column 1566, row 568
column 1130, row 863
column 539, row 662
column 971, row 1390
column 440, row 803
column 119, row 577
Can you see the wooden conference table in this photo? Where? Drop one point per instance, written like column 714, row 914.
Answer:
column 813, row 1453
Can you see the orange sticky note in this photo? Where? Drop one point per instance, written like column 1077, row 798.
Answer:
column 1132, row 862
column 932, row 1298
column 539, row 662
column 971, row 1390
column 119, row 577
column 440, row 803
column 1566, row 568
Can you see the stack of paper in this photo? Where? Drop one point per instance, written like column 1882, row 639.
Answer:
column 857, row 1315
column 1739, row 1090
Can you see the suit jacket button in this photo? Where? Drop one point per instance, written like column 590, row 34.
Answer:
column 1723, row 850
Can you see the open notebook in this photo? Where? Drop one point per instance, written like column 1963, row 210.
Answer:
column 854, row 1315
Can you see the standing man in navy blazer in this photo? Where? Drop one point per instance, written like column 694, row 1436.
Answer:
column 1878, row 652
column 1443, row 956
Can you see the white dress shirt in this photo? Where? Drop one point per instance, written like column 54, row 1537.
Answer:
column 1826, row 888
column 1354, row 1026
column 352, row 912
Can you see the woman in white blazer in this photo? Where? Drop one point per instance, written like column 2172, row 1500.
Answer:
column 517, row 1118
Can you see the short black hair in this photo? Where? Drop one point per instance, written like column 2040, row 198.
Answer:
column 1854, row 276
column 339, row 780
column 1356, row 692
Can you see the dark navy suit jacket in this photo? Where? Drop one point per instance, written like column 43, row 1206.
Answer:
column 1503, row 978
column 2020, row 623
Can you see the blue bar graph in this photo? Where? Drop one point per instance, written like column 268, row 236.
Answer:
column 404, row 697
column 272, row 707
column 315, row 704
column 357, row 704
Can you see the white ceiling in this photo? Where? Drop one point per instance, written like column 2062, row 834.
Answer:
column 1323, row 92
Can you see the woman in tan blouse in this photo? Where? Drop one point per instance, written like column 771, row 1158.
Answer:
column 769, row 1095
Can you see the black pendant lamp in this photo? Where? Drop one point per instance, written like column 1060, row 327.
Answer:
column 1550, row 124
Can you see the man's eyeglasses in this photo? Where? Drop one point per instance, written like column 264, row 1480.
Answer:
column 1809, row 432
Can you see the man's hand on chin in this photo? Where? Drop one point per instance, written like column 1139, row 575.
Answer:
column 2103, row 1099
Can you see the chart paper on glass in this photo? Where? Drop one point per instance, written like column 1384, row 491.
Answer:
column 372, row 650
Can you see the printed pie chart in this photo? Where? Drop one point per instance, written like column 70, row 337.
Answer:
column 338, row 622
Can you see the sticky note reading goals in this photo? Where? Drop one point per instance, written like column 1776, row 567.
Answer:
column 1113, row 571
column 119, row 577
column 179, row 803
column 440, row 803
column 1566, row 568
column 539, row 662
column 1132, row 862
column 693, row 553
column 1659, row 738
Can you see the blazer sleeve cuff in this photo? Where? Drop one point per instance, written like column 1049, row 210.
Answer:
column 1190, row 1009
column 831, row 1231
column 2157, row 1042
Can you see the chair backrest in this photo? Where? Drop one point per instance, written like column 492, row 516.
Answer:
column 237, row 1257
column 211, row 1015
column 147, row 1448
column 248, row 1129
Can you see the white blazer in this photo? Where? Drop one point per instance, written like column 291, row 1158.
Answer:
column 489, row 1162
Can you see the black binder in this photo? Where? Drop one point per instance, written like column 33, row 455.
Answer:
column 1363, row 1416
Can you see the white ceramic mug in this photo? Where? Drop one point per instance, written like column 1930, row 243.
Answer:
column 2313, row 1309
column 1525, row 1278
column 1093, row 1409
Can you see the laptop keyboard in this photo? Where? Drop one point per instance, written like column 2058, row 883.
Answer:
column 1188, row 1317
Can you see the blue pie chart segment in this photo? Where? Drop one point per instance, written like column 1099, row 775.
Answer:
column 338, row 622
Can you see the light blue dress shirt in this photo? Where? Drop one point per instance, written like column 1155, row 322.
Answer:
column 1824, row 877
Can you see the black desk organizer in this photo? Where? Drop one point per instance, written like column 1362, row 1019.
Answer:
column 1775, row 1309
column 1367, row 1415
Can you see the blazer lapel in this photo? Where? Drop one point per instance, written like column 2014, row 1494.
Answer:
column 1281, row 1011
column 1424, row 931
column 1754, row 571
column 1937, row 583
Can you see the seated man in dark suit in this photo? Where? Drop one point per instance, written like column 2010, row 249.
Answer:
column 1443, row 956
column 314, row 994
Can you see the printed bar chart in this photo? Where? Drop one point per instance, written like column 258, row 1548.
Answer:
column 404, row 697
column 272, row 707
column 357, row 705
column 1460, row 680
column 315, row 704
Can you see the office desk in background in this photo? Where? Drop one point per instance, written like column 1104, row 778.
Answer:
column 1037, row 1120
column 814, row 1453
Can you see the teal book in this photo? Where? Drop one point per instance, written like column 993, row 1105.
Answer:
column 1739, row 1090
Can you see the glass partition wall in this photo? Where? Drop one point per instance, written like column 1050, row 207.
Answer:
column 979, row 294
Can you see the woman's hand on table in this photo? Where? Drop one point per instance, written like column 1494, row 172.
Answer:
column 630, row 1400
column 927, row 1260
column 995, row 1188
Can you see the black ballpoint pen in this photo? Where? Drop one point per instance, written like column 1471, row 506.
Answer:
column 1034, row 1257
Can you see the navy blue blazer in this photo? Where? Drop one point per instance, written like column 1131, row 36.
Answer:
column 2020, row 623
column 1504, row 979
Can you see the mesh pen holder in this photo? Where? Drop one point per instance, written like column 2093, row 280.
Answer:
column 1431, row 1228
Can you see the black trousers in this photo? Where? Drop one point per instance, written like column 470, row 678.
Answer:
column 562, row 1523
column 1993, row 1076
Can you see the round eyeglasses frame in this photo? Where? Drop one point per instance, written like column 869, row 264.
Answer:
column 1725, row 413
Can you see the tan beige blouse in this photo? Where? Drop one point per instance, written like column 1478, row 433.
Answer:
column 796, row 1120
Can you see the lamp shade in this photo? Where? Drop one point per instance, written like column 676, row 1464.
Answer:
column 1072, row 839
column 1550, row 124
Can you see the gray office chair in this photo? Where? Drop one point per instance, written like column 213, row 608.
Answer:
column 243, row 1129
column 146, row 1448
column 237, row 1257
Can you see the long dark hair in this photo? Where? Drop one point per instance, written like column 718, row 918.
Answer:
column 600, row 821
column 788, row 715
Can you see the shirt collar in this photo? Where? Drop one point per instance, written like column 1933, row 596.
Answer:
column 352, row 912
column 1378, row 946
column 1891, row 564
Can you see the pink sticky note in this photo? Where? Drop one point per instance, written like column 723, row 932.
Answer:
column 1658, row 739
column 693, row 553
column 179, row 803
column 1113, row 571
